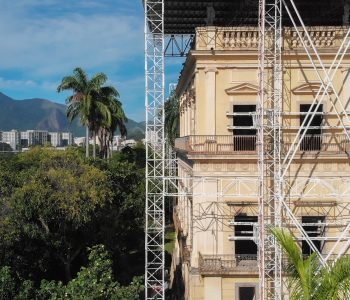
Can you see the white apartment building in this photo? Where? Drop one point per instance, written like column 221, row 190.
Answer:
column 34, row 137
column 55, row 138
column 12, row 138
column 67, row 139
column 24, row 139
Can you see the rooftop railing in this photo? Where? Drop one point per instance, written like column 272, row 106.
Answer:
column 246, row 144
column 237, row 38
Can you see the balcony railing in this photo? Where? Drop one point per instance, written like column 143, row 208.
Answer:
column 227, row 264
column 327, row 142
column 246, row 144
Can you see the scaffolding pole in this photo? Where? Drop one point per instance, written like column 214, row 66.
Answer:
column 155, row 149
column 269, row 146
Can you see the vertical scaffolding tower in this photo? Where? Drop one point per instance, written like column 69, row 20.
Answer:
column 269, row 145
column 273, row 163
column 155, row 149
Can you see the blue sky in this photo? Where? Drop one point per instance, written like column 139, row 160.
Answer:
column 44, row 40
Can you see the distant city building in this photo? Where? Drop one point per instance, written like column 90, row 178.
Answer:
column 23, row 140
column 67, row 139
column 129, row 143
column 34, row 138
column 12, row 138
column 79, row 141
column 55, row 138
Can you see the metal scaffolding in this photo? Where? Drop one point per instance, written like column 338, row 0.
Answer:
column 273, row 167
column 155, row 149
column 280, row 198
column 269, row 146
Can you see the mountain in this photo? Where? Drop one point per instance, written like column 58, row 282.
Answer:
column 43, row 114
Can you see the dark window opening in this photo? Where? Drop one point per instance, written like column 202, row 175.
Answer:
column 245, row 138
column 313, row 230
column 312, row 140
column 245, row 247
column 24, row 143
column 246, row 293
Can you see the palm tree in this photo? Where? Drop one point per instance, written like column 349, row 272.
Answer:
column 115, row 121
column 82, row 102
column 101, row 111
column 309, row 280
column 172, row 118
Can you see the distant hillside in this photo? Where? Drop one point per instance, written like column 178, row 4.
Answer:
column 46, row 115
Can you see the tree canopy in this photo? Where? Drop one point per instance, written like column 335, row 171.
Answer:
column 54, row 206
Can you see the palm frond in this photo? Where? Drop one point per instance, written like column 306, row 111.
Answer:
column 334, row 281
column 68, row 83
column 301, row 270
column 109, row 91
column 97, row 81
column 81, row 77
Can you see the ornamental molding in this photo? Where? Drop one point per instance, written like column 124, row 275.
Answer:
column 310, row 89
column 243, row 89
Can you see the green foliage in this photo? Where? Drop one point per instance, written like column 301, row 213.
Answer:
column 4, row 147
column 94, row 282
column 7, row 284
column 170, row 238
column 53, row 206
column 172, row 118
column 309, row 280
column 14, row 288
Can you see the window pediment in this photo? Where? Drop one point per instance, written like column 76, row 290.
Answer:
column 243, row 89
column 309, row 89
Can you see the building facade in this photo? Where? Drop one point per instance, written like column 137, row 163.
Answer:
column 34, row 138
column 12, row 138
column 67, row 139
column 216, row 213
column 55, row 139
column 19, row 140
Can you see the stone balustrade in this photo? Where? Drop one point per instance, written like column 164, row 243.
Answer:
column 238, row 38
column 227, row 264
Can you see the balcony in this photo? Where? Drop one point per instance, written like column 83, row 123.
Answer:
column 227, row 264
column 230, row 264
column 328, row 143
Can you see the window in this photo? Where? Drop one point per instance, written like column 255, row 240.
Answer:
column 312, row 140
column 313, row 230
column 245, row 249
column 247, row 291
column 244, row 139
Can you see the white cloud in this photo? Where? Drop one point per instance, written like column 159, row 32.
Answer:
column 11, row 84
column 50, row 45
column 43, row 40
